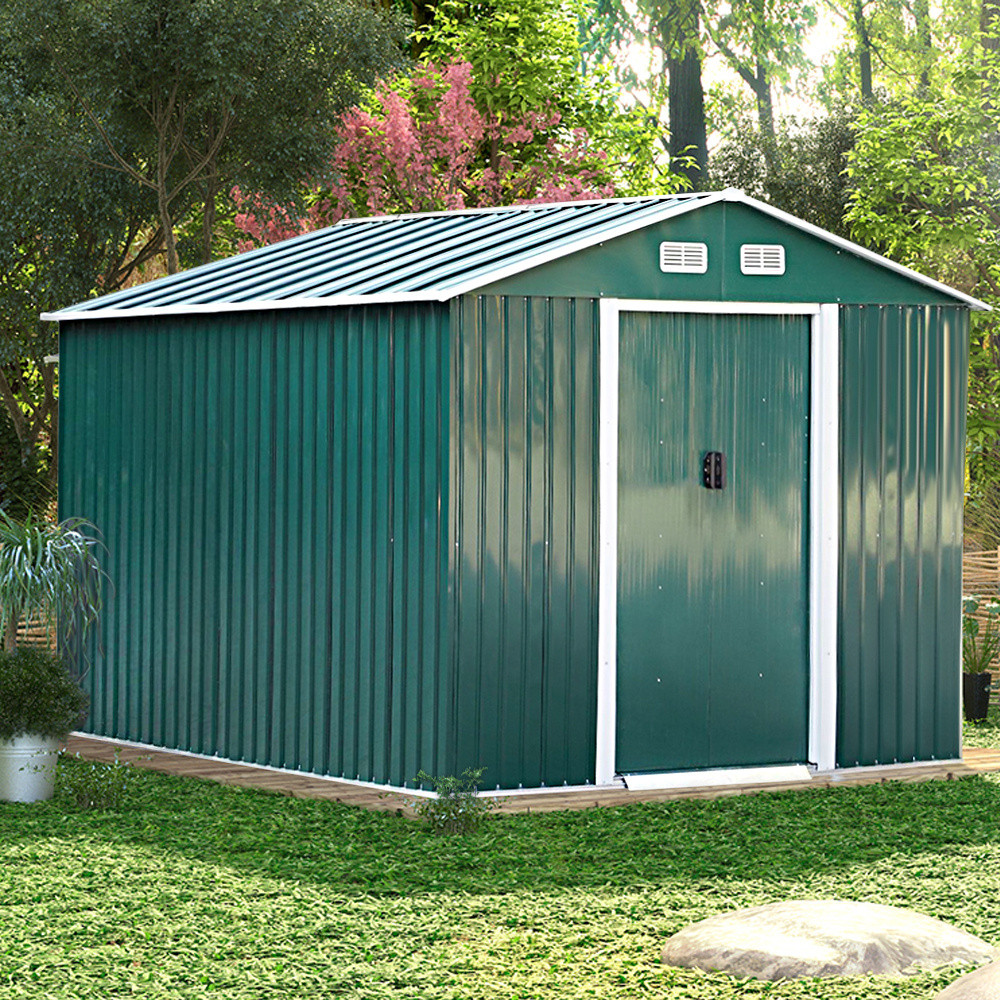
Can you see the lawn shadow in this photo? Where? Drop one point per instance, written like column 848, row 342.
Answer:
column 764, row 836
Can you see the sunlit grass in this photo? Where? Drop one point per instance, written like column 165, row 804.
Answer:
column 198, row 890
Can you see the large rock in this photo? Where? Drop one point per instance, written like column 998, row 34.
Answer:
column 983, row 984
column 823, row 938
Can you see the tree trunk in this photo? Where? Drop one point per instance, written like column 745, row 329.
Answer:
column 921, row 14
column 988, row 26
column 686, row 97
column 208, row 219
column 765, row 116
column 52, row 409
column 10, row 634
column 169, row 237
column 864, row 43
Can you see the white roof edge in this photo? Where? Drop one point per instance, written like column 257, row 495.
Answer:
column 250, row 305
column 856, row 248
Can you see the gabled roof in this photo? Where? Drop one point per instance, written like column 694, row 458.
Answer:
column 421, row 257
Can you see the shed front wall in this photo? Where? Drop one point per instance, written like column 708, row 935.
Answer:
column 903, row 397
column 524, row 506
column 271, row 491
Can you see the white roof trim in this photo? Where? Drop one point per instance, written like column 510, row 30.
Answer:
column 249, row 305
column 858, row 250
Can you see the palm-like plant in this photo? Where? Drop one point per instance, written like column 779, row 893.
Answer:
column 49, row 573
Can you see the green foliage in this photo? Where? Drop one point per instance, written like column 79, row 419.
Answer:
column 980, row 636
column 49, row 573
column 811, row 182
column 203, row 891
column 23, row 478
column 525, row 56
column 37, row 695
column 185, row 100
column 458, row 807
column 94, row 784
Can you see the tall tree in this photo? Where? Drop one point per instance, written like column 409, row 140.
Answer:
column 123, row 126
column 679, row 33
column 190, row 96
column 761, row 41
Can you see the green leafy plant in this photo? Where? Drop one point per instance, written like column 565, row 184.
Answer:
column 37, row 694
column 49, row 572
column 980, row 637
column 458, row 807
column 94, row 784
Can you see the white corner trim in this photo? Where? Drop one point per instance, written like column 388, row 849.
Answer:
column 607, row 588
column 824, row 540
column 824, row 491
column 719, row 777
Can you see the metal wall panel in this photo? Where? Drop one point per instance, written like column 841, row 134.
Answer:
column 524, row 503
column 271, row 491
column 903, row 391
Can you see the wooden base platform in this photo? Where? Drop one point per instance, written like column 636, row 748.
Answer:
column 973, row 761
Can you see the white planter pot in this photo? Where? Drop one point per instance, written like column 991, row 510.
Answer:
column 28, row 768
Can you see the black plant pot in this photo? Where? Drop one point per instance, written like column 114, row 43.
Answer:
column 976, row 695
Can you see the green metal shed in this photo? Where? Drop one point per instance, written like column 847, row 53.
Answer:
column 654, row 490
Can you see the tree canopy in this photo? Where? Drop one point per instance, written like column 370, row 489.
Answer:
column 138, row 137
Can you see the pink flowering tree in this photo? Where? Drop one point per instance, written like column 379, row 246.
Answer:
column 422, row 143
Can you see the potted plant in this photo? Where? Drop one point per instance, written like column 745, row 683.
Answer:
column 49, row 575
column 980, row 643
column 39, row 704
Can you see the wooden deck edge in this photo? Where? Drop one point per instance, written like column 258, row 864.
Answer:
column 300, row 785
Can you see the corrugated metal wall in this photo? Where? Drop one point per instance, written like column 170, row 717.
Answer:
column 903, row 386
column 524, row 503
column 278, row 547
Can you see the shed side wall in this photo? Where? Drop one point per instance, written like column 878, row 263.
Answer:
column 524, row 487
column 903, row 390
column 271, row 491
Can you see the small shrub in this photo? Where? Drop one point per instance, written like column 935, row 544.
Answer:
column 37, row 694
column 458, row 808
column 94, row 784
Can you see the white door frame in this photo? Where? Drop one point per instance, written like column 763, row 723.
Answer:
column 824, row 486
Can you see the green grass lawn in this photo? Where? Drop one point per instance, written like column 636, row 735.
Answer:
column 197, row 890
column 983, row 734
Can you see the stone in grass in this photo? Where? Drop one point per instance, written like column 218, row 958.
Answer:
column 804, row 938
column 983, row 984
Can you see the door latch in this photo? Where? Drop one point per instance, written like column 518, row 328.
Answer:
column 713, row 471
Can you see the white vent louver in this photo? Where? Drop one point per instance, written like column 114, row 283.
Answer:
column 683, row 258
column 762, row 258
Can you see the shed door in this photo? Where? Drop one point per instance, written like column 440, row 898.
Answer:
column 713, row 628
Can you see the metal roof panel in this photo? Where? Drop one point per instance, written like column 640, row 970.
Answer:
column 385, row 256
column 424, row 256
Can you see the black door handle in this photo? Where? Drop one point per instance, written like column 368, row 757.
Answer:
column 713, row 471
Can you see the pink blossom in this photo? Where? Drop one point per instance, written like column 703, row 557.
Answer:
column 422, row 143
